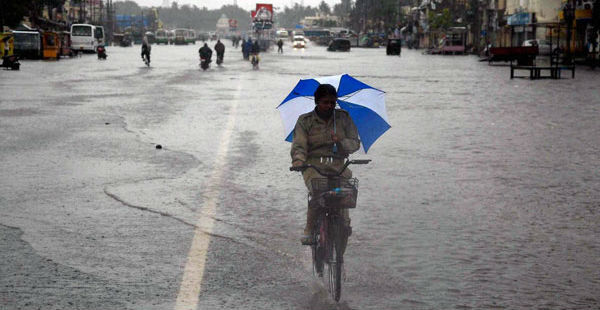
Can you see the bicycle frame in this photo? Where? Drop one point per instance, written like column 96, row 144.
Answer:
column 331, row 235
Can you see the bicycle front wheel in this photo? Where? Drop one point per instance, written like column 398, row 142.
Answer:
column 336, row 260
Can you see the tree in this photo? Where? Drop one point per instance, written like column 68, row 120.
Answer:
column 292, row 16
column 127, row 8
column 374, row 15
column 12, row 12
column 324, row 8
column 440, row 21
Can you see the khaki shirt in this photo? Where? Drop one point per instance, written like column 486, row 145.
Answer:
column 312, row 136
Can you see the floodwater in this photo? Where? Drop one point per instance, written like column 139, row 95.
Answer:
column 482, row 195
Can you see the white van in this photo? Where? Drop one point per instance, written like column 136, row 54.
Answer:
column 99, row 35
column 83, row 37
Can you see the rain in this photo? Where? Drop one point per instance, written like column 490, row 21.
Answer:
column 127, row 186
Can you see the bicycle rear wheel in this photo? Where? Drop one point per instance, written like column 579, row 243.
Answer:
column 318, row 255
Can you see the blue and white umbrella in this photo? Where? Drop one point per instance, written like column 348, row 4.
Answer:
column 365, row 104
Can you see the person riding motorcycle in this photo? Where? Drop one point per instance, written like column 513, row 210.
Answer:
column 220, row 49
column 323, row 138
column 254, row 50
column 146, row 48
column 205, row 52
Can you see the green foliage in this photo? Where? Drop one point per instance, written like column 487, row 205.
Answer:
column 13, row 11
column 324, row 8
column 187, row 16
column 292, row 16
column 127, row 8
column 378, row 15
column 342, row 9
column 440, row 21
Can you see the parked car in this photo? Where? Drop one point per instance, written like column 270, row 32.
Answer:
column 544, row 46
column 339, row 45
column 299, row 42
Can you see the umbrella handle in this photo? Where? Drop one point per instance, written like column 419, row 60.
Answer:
column 334, row 132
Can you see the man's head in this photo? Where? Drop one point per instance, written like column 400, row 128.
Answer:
column 325, row 99
column 205, row 44
column 218, row 41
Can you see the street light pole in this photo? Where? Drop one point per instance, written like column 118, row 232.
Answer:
column 569, row 16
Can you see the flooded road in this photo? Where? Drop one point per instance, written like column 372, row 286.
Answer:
column 482, row 195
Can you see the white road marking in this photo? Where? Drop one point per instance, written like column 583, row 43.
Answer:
column 189, row 290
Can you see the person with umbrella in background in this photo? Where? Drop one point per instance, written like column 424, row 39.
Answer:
column 324, row 138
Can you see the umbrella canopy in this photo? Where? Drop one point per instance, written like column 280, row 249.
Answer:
column 365, row 104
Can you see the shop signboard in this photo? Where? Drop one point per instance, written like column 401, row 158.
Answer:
column 264, row 12
column 522, row 18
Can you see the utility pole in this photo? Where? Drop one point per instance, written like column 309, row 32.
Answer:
column 569, row 16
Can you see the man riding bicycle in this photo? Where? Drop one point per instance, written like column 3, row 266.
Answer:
column 323, row 138
column 146, row 48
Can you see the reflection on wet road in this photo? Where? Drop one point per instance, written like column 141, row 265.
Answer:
column 482, row 195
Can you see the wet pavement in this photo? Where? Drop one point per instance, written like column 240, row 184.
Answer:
column 482, row 195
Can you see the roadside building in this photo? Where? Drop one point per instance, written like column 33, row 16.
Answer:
column 531, row 19
column 222, row 27
column 321, row 20
column 583, row 32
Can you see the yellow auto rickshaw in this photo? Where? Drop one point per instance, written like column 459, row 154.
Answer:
column 7, row 44
column 50, row 45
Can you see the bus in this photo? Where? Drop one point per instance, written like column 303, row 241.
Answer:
column 190, row 36
column 83, row 37
column 319, row 36
column 180, row 36
column 282, row 34
column 161, row 37
column 170, row 36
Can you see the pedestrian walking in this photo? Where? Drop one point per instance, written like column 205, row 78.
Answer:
column 280, row 46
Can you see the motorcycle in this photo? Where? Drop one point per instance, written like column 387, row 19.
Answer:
column 146, row 54
column 11, row 62
column 254, row 60
column 204, row 63
column 101, row 51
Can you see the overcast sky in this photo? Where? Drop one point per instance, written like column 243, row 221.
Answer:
column 245, row 4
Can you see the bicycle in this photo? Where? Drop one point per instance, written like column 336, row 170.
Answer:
column 330, row 196
column 146, row 58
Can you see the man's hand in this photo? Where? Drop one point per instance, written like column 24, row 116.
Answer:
column 297, row 163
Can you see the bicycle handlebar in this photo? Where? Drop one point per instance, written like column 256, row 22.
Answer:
column 335, row 174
